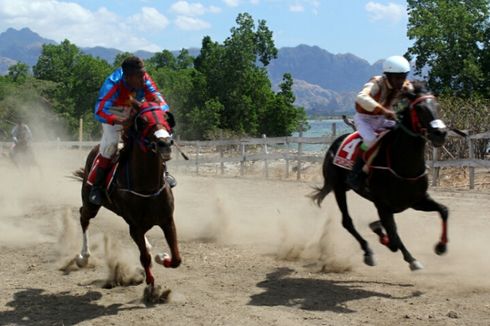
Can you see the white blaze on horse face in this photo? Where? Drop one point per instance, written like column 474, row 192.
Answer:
column 161, row 133
column 437, row 124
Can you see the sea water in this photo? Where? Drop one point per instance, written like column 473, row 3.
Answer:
column 321, row 128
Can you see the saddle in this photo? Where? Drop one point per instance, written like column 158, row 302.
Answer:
column 350, row 149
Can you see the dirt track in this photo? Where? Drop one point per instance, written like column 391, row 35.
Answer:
column 255, row 253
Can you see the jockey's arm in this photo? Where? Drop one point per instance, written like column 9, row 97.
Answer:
column 365, row 99
column 107, row 95
column 153, row 94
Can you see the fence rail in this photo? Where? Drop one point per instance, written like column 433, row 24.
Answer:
column 288, row 149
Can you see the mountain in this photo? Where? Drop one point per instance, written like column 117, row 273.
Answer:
column 337, row 72
column 324, row 83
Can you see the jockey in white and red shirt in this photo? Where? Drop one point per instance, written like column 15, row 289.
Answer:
column 375, row 107
column 130, row 81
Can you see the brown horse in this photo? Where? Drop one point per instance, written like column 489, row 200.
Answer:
column 139, row 192
column 397, row 178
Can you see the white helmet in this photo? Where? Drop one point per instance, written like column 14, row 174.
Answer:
column 396, row 64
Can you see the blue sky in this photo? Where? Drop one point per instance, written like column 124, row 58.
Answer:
column 369, row 29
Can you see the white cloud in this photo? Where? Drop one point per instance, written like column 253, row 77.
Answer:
column 185, row 8
column 59, row 20
column 296, row 7
column 149, row 19
column 232, row 3
column 392, row 12
column 191, row 24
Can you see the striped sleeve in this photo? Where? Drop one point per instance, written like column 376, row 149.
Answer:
column 107, row 95
column 153, row 94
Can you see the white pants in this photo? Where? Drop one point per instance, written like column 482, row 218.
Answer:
column 110, row 139
column 368, row 125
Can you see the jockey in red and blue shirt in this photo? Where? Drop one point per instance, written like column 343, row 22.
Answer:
column 130, row 82
column 116, row 92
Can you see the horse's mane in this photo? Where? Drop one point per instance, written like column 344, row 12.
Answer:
column 419, row 87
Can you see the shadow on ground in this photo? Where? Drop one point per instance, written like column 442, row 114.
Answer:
column 314, row 294
column 34, row 307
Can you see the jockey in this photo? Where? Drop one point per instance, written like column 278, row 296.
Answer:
column 21, row 133
column 130, row 81
column 375, row 109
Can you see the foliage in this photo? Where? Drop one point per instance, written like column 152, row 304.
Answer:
column 18, row 73
column 471, row 115
column 451, row 38
column 225, row 90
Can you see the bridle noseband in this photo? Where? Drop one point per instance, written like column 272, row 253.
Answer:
column 416, row 125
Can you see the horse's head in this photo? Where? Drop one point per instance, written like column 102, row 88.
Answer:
column 421, row 115
column 152, row 129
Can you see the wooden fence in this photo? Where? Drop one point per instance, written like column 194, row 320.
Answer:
column 290, row 150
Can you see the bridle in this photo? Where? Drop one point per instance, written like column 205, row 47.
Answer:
column 416, row 125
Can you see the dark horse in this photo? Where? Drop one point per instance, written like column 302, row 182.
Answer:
column 397, row 176
column 139, row 192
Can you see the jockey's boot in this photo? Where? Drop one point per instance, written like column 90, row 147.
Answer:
column 172, row 182
column 356, row 179
column 100, row 170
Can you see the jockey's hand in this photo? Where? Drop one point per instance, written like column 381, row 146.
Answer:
column 121, row 121
column 389, row 114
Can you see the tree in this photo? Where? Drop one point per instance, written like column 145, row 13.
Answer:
column 56, row 61
column 451, row 39
column 120, row 57
column 18, row 73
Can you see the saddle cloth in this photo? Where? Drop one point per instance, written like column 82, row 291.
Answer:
column 349, row 150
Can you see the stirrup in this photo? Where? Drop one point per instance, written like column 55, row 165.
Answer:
column 172, row 182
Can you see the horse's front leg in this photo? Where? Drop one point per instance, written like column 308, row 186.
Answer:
column 85, row 216
column 139, row 238
column 170, row 233
column 394, row 242
column 427, row 204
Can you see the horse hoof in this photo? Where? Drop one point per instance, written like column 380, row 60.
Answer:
column 369, row 260
column 440, row 248
column 81, row 261
column 416, row 265
column 163, row 259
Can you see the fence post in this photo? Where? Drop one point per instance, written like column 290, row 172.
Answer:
column 471, row 168
column 334, row 130
column 266, row 153
column 300, row 152
column 242, row 161
column 435, row 170
column 286, row 157
column 198, row 149
column 221, row 154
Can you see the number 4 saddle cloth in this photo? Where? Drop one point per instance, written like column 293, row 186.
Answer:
column 350, row 149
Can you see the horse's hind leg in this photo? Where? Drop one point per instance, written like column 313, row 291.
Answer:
column 138, row 236
column 427, row 204
column 85, row 215
column 394, row 241
column 340, row 196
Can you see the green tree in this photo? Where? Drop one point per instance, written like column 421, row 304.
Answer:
column 120, row 57
column 18, row 73
column 56, row 61
column 164, row 59
column 451, row 39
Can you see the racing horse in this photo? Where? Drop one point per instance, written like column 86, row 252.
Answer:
column 397, row 177
column 139, row 192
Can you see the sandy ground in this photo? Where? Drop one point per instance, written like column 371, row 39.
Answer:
column 254, row 252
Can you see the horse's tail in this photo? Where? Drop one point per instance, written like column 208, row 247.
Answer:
column 329, row 173
column 79, row 174
column 319, row 194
